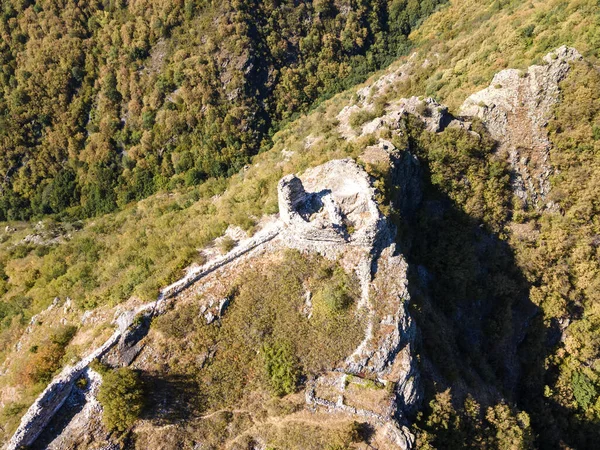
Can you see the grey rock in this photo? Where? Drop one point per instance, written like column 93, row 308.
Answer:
column 209, row 317
column 223, row 305
column 516, row 108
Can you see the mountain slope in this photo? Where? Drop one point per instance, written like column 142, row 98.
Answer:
column 105, row 103
column 503, row 291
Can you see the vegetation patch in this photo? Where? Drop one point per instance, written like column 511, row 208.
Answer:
column 264, row 345
column 44, row 359
column 122, row 397
column 112, row 102
column 281, row 367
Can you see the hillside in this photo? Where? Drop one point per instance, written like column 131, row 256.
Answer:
column 428, row 278
column 104, row 103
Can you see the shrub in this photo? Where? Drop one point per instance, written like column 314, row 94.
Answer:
column 334, row 297
column 360, row 117
column 527, row 32
column 122, row 397
column 46, row 357
column 63, row 335
column 281, row 366
column 226, row 244
column 14, row 409
column 583, row 390
column 423, row 109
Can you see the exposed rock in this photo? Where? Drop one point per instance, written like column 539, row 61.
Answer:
column 405, row 174
column 209, row 317
column 130, row 342
column 85, row 316
column 52, row 399
column 434, row 115
column 307, row 310
column 67, row 305
column 336, row 209
column 287, row 154
column 290, row 192
column 56, row 393
column 79, row 420
column 378, row 88
column 223, row 305
column 516, row 109
column 319, row 210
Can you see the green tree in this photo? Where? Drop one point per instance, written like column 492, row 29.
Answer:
column 583, row 390
column 122, row 396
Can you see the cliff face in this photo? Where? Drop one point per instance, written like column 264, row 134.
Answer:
column 515, row 109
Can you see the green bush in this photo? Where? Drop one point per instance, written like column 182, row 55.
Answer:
column 281, row 367
column 584, row 390
column 121, row 394
column 63, row 335
column 226, row 244
column 334, row 297
column 361, row 117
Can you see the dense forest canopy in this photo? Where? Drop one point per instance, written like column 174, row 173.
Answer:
column 105, row 102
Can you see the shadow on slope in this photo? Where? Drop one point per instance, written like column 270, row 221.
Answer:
column 171, row 398
column 480, row 334
column 73, row 405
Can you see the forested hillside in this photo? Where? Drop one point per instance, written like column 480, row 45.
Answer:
column 106, row 102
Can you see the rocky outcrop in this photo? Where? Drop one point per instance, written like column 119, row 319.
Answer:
column 404, row 172
column 80, row 419
column 56, row 393
column 332, row 207
column 515, row 109
column 432, row 114
column 290, row 193
column 332, row 210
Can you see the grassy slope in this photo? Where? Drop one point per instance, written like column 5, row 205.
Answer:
column 470, row 41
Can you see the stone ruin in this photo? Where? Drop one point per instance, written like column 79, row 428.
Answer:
column 332, row 207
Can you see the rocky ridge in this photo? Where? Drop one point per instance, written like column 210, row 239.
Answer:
column 515, row 109
column 330, row 210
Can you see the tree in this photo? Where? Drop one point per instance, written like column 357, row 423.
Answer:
column 510, row 430
column 122, row 397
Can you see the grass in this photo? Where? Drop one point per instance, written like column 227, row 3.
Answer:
column 264, row 346
column 279, row 345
